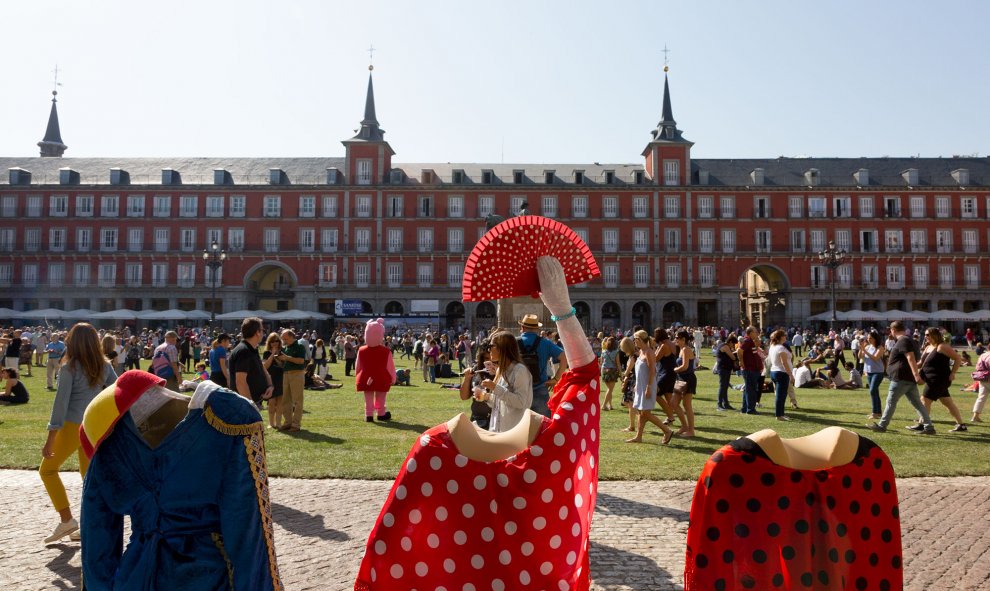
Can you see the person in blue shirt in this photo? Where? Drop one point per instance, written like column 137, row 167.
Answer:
column 546, row 350
column 55, row 350
column 219, row 373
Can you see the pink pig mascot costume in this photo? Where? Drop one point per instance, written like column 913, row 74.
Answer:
column 375, row 371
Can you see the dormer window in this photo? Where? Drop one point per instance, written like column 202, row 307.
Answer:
column 609, row 177
column 639, row 177
column 548, row 176
column 119, row 177
column 756, row 177
column 395, row 176
column 276, row 176
column 578, row 177
column 862, row 177
column 67, row 176
column 333, row 176
column 221, row 177
column 910, row 176
column 812, row 177
column 669, row 132
column 961, row 176
column 426, row 176
column 458, row 177
column 518, row 177
column 487, row 177
column 171, row 177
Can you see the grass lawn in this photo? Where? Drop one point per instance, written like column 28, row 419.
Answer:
column 336, row 442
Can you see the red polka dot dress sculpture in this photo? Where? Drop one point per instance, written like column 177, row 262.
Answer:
column 758, row 525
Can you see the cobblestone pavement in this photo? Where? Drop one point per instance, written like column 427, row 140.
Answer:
column 637, row 538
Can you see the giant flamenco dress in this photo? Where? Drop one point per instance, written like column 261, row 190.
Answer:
column 190, row 473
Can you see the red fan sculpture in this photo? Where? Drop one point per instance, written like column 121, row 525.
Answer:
column 503, row 263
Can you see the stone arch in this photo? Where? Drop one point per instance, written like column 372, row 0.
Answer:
column 642, row 314
column 264, row 276
column 763, row 291
column 673, row 313
column 583, row 312
column 454, row 312
column 394, row 308
column 366, row 307
column 611, row 315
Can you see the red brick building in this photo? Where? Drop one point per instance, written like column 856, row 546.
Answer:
column 678, row 239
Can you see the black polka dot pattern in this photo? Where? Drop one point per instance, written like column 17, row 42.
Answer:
column 779, row 528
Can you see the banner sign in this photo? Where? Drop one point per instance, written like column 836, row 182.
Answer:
column 347, row 307
column 424, row 306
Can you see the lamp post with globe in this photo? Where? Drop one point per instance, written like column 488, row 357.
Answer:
column 214, row 259
column 832, row 258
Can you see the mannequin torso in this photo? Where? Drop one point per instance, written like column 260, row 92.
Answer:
column 484, row 446
column 830, row 447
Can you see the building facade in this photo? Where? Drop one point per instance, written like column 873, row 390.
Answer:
column 717, row 241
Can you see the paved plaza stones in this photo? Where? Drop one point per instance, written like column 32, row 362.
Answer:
column 637, row 539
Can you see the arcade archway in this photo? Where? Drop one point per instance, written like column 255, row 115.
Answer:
column 642, row 314
column 394, row 308
column 673, row 313
column 611, row 316
column 454, row 313
column 485, row 315
column 763, row 291
column 583, row 312
column 272, row 285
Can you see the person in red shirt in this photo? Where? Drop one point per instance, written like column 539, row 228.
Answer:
column 752, row 367
column 375, row 371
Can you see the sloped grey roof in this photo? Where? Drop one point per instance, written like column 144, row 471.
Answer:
column 778, row 172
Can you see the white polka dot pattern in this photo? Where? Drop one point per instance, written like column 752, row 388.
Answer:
column 455, row 524
column 503, row 263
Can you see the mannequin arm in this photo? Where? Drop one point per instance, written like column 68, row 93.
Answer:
column 558, row 300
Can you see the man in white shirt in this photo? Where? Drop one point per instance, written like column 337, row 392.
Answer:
column 802, row 376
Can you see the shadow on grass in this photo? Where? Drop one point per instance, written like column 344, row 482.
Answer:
column 393, row 424
column 314, row 437
column 646, row 568
column 613, row 505
column 60, row 564
column 305, row 524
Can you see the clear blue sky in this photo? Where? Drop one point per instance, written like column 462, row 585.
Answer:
column 561, row 81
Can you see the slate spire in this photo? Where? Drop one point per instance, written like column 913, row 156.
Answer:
column 370, row 130
column 667, row 128
column 52, row 146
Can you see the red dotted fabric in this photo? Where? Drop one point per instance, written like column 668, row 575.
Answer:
column 758, row 525
column 503, row 263
column 454, row 524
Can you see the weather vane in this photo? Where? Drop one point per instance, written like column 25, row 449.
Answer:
column 666, row 58
column 56, row 82
column 371, row 57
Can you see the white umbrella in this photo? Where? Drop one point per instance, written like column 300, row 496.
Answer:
column 49, row 313
column 7, row 313
column 172, row 314
column 298, row 315
column 979, row 315
column 948, row 315
column 242, row 314
column 856, row 315
column 116, row 315
column 824, row 316
column 905, row 315
column 80, row 314
column 197, row 315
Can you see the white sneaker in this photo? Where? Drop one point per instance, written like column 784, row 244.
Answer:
column 62, row 530
column 75, row 536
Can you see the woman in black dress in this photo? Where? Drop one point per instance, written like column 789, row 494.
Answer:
column 14, row 391
column 666, row 355
column 727, row 363
column 273, row 363
column 939, row 363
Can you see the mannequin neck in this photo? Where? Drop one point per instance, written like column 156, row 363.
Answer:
column 485, row 446
column 830, row 447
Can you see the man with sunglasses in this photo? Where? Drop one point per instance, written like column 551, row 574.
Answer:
column 904, row 375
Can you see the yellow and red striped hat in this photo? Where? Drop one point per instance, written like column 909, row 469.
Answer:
column 109, row 406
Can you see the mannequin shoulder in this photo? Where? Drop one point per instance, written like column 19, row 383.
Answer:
column 230, row 413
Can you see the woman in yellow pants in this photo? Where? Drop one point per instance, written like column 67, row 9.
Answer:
column 83, row 374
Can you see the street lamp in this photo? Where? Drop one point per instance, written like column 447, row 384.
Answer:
column 832, row 257
column 214, row 258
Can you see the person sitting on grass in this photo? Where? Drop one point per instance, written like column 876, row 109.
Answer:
column 837, row 382
column 403, row 377
column 855, row 378
column 803, row 377
column 315, row 382
column 14, row 391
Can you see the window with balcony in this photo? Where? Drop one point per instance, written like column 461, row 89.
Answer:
column 640, row 206
column 214, row 206
column 763, row 241
column 516, row 203
column 549, row 206
column 819, row 277
column 186, row 274
column 706, row 240
column 671, row 206
column 328, row 239
column 159, row 274
column 895, row 277
column 971, row 276
column 84, row 239
column 33, row 207
column 728, row 241
column 393, row 274
column 214, row 235
column 942, row 206
column 843, row 240
column 727, row 207
column 132, row 274
column 188, row 206
column 162, row 206
column 816, row 207
column 894, row 241
column 946, row 276
column 362, row 274
column 673, row 276
column 424, row 239
column 761, row 208
column 706, row 206
column 272, row 206
column 6, row 274
column 892, row 207
column 213, row 277
column 641, row 240
column 844, row 276
column 641, row 275
column 235, row 239
column 841, row 207
column 307, row 206
column 8, row 206
column 967, row 207
column 610, row 206
column 187, row 239
column 238, row 206
column 579, row 206
column 362, row 239
column 486, row 205
column 425, row 209
column 795, row 206
column 970, row 241
column 29, row 274
column 920, row 274
column 362, row 206
column 706, row 275
column 161, row 240
column 610, row 275
column 56, row 274
column 919, row 241
column 455, row 206
column 455, row 240
column 80, row 274
column 672, row 239
column 327, row 275
column 271, row 239
column 108, row 239
column 364, row 171
column 866, row 206
column 455, row 274
column 943, row 241
column 135, row 206
column 329, row 206
column 135, row 239
column 671, row 172
column 307, row 240
column 582, row 234
column 32, row 239
column 110, row 206
column 797, row 241
column 424, row 274
column 58, row 206
column 867, row 241
column 816, row 241
column 84, row 206
column 610, row 240
column 870, row 277
column 107, row 274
